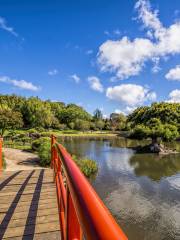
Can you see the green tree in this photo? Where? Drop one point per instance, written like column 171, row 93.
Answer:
column 99, row 124
column 117, row 121
column 9, row 119
column 159, row 120
column 73, row 112
column 98, row 115
column 82, row 125
column 37, row 113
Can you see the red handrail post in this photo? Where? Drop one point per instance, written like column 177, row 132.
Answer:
column 53, row 140
column 73, row 228
column 1, row 158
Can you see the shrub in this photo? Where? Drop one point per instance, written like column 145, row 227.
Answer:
column 37, row 143
column 43, row 147
column 87, row 166
column 46, row 134
column 44, row 152
column 32, row 130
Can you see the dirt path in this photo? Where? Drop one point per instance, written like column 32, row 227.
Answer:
column 20, row 160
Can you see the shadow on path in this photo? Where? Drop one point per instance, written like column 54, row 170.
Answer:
column 9, row 213
column 5, row 182
column 31, row 219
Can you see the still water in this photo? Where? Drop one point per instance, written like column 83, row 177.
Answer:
column 142, row 191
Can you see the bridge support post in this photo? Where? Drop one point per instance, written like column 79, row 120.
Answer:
column 53, row 140
column 73, row 229
column 1, row 157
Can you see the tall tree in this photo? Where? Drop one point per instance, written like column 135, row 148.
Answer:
column 9, row 119
column 98, row 114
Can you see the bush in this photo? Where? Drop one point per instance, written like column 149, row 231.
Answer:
column 32, row 130
column 25, row 140
column 37, row 143
column 44, row 152
column 87, row 166
column 46, row 134
column 43, row 147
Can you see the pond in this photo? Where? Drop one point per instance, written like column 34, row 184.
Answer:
column 142, row 191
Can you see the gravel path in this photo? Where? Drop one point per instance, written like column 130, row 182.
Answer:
column 20, row 160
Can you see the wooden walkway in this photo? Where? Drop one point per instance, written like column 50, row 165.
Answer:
column 28, row 205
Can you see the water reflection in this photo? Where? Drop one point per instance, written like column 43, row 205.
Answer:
column 141, row 190
column 155, row 166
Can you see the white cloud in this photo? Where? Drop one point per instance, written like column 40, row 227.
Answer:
column 89, row 52
column 76, row 78
column 19, row 83
column 95, row 84
column 127, row 57
column 174, row 96
column 125, row 110
column 117, row 32
column 118, row 111
column 53, row 72
column 174, row 73
column 4, row 26
column 130, row 94
column 106, row 33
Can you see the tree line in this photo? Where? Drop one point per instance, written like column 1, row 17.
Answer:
column 20, row 112
column 160, row 120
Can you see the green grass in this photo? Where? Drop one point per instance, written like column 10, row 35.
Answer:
column 17, row 145
column 70, row 133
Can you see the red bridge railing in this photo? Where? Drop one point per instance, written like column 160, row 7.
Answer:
column 82, row 213
column 1, row 160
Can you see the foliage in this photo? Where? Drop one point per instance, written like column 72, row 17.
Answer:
column 99, row 124
column 160, row 120
column 38, row 142
column 140, row 132
column 3, row 161
column 88, row 167
column 9, row 119
column 42, row 115
column 43, row 147
column 118, row 121
column 44, row 152
column 165, row 112
column 73, row 112
column 37, row 113
column 82, row 125
column 98, row 114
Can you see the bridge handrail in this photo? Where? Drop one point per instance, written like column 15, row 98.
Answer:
column 1, row 157
column 82, row 213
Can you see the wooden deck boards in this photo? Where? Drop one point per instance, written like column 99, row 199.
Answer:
column 28, row 205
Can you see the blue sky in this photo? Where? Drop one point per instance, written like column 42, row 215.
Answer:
column 114, row 55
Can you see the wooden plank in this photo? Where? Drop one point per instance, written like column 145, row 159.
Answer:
column 36, row 220
column 41, row 236
column 40, row 228
column 31, row 209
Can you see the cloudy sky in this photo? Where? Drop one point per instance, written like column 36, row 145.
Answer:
column 114, row 55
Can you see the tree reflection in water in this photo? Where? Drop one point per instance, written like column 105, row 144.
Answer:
column 155, row 166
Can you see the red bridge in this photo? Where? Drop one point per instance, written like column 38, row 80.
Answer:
column 31, row 210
